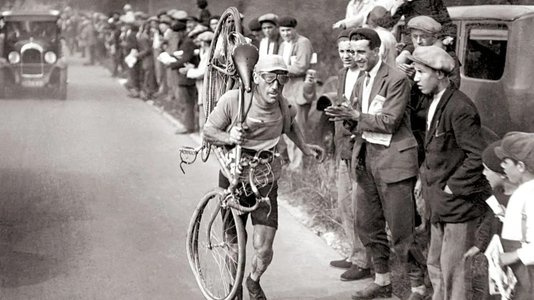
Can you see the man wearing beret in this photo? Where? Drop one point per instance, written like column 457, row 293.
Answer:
column 384, row 160
column 272, row 39
column 453, row 185
column 256, row 34
column 517, row 154
column 297, row 51
column 268, row 118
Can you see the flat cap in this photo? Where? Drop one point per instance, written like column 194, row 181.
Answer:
column 490, row 159
column 433, row 57
column 287, row 21
column 269, row 63
column 205, row 36
column 518, row 146
column 179, row 15
column 344, row 34
column 270, row 17
column 424, row 23
column 254, row 25
column 153, row 19
column 166, row 19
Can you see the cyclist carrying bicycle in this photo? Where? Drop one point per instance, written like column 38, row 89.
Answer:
column 268, row 116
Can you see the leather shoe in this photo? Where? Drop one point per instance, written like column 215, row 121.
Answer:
column 342, row 264
column 373, row 291
column 417, row 296
column 355, row 273
column 254, row 290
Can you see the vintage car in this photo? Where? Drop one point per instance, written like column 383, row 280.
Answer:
column 494, row 45
column 30, row 53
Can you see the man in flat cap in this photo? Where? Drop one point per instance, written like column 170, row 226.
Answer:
column 517, row 154
column 268, row 118
column 272, row 39
column 297, row 51
column 453, row 185
column 425, row 31
column 384, row 161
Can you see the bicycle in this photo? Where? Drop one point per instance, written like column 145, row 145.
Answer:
column 216, row 235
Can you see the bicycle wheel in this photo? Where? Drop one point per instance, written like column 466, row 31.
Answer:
column 216, row 248
column 217, row 82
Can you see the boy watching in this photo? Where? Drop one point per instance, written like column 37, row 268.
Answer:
column 517, row 154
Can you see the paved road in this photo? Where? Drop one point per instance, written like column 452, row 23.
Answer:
column 93, row 205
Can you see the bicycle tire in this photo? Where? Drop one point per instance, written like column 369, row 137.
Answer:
column 215, row 82
column 215, row 277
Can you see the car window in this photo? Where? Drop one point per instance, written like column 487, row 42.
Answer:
column 485, row 55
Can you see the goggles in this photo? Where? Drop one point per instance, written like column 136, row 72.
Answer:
column 271, row 77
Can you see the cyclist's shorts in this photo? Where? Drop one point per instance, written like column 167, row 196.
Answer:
column 263, row 215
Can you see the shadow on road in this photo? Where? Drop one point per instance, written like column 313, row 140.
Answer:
column 37, row 236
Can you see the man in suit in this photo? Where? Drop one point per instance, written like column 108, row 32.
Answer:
column 185, row 92
column 451, row 174
column 384, row 159
column 357, row 263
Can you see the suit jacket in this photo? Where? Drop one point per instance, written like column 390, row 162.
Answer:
column 186, row 45
column 453, row 147
column 398, row 161
column 145, row 51
column 342, row 136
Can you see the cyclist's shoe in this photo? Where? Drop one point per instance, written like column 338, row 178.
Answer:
column 254, row 290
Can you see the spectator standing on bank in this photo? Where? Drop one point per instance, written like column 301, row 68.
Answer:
column 451, row 174
column 165, row 33
column 384, row 159
column 130, row 47
column 256, row 34
column 185, row 92
column 435, row 9
column 203, row 40
column 358, row 262
column 377, row 19
column 517, row 154
column 88, row 40
column 297, row 52
column 271, row 41
column 204, row 14
column 146, row 57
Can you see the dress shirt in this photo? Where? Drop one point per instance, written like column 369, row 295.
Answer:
column 432, row 108
column 288, row 49
column 350, row 81
column 367, row 86
column 518, row 222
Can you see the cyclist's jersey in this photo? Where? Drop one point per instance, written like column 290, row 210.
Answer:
column 265, row 127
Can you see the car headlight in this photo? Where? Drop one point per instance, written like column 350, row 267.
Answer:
column 13, row 57
column 50, row 57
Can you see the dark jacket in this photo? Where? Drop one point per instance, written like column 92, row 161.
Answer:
column 145, row 51
column 186, row 45
column 453, row 147
column 397, row 162
column 342, row 136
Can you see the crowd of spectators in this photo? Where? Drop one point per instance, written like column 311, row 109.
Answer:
column 398, row 110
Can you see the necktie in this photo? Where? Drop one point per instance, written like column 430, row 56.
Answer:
column 367, row 78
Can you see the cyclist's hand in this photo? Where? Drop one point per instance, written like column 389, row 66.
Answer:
column 316, row 151
column 237, row 135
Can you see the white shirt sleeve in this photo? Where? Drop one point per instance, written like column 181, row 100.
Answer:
column 526, row 252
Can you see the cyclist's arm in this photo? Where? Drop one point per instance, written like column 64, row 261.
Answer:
column 296, row 136
column 219, row 137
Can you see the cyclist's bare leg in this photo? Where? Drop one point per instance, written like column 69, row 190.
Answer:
column 262, row 242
